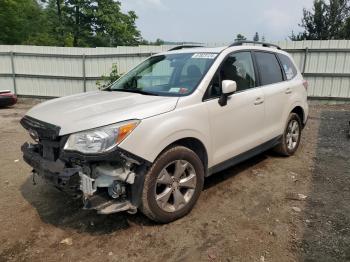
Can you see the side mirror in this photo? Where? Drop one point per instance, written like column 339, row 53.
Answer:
column 228, row 88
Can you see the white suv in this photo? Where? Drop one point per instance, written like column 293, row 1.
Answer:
column 149, row 140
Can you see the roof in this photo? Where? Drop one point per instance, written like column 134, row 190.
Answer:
column 220, row 49
column 198, row 50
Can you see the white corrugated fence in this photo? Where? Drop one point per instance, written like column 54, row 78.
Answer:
column 59, row 71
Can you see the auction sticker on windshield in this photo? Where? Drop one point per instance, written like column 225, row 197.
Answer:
column 204, row 55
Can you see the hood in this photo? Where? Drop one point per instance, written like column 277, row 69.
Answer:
column 99, row 108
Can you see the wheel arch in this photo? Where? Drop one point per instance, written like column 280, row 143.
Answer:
column 195, row 145
column 300, row 112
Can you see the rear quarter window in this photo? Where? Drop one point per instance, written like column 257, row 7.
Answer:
column 269, row 68
column 288, row 66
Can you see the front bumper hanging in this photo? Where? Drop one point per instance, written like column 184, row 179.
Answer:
column 54, row 171
column 102, row 190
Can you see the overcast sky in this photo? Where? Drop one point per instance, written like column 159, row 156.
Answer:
column 216, row 21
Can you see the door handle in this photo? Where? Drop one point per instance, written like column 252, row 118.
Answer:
column 259, row 101
column 288, row 91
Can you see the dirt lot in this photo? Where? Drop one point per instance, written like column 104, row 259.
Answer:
column 245, row 213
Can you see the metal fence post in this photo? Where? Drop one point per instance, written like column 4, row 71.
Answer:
column 305, row 59
column 12, row 54
column 84, row 73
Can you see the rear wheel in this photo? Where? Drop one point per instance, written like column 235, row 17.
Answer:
column 172, row 185
column 291, row 136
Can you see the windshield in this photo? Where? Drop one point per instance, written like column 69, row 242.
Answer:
column 167, row 75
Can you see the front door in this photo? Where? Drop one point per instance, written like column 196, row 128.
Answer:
column 235, row 128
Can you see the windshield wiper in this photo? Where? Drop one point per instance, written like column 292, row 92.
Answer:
column 137, row 91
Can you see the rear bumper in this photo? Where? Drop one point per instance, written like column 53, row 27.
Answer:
column 55, row 172
column 306, row 113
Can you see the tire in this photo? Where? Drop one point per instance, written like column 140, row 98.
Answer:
column 284, row 147
column 158, row 203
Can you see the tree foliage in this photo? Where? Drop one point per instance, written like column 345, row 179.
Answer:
column 20, row 20
column 327, row 20
column 157, row 42
column 256, row 37
column 106, row 80
column 240, row 37
column 85, row 23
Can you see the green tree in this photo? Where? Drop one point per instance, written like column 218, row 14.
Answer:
column 314, row 22
column 337, row 13
column 78, row 21
column 20, row 21
column 346, row 29
column 54, row 32
column 56, row 19
column 240, row 37
column 326, row 20
column 159, row 42
column 100, row 23
column 85, row 23
column 256, row 37
column 106, row 80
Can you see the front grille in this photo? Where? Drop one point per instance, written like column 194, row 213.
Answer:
column 48, row 137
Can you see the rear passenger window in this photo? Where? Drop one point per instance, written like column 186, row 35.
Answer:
column 288, row 66
column 270, row 70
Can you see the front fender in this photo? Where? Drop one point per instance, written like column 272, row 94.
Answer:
column 154, row 134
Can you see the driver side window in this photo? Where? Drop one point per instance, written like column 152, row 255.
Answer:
column 237, row 67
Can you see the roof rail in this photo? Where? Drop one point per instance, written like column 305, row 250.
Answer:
column 238, row 43
column 183, row 47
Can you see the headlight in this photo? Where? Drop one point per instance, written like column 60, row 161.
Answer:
column 101, row 139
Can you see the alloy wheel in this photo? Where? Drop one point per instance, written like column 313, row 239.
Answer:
column 175, row 185
column 292, row 137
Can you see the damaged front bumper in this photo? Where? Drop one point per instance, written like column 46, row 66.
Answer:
column 55, row 172
column 108, row 184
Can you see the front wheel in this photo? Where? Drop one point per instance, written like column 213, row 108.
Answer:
column 291, row 136
column 172, row 185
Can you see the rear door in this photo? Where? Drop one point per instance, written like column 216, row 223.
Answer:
column 235, row 128
column 275, row 91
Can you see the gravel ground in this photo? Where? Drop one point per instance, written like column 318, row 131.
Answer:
column 246, row 213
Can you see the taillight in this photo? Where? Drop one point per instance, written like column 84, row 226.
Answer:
column 305, row 84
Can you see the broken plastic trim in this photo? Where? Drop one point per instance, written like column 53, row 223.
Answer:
column 40, row 164
column 114, row 155
column 60, row 175
column 43, row 129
